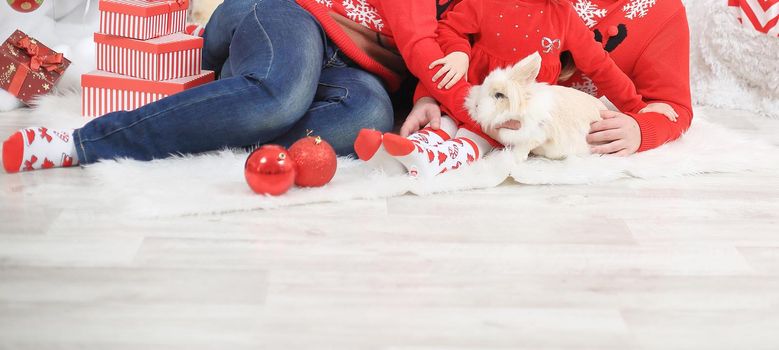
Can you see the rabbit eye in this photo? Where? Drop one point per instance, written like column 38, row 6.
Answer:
column 499, row 95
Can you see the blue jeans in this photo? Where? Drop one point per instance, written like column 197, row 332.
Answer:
column 279, row 76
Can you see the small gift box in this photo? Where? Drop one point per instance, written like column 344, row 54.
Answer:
column 164, row 58
column 105, row 92
column 141, row 19
column 29, row 68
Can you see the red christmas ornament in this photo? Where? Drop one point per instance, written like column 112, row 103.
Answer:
column 25, row 5
column 315, row 160
column 269, row 170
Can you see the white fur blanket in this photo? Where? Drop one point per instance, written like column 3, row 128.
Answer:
column 214, row 183
column 731, row 66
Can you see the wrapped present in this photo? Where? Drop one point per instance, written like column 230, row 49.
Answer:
column 141, row 19
column 168, row 57
column 105, row 92
column 29, row 68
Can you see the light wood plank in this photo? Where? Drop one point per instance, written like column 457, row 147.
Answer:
column 681, row 263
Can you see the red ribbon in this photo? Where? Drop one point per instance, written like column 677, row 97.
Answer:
column 18, row 80
column 50, row 62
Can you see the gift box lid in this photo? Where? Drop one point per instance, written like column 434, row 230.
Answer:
column 11, row 48
column 143, row 8
column 106, row 80
column 163, row 44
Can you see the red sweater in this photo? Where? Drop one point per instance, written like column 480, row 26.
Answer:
column 649, row 41
column 410, row 26
column 505, row 31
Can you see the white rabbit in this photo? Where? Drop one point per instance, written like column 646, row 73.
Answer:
column 554, row 120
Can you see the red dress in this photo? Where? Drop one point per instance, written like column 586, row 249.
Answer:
column 505, row 31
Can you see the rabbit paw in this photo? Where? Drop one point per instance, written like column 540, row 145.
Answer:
column 520, row 154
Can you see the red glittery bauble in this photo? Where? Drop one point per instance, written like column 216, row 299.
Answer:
column 269, row 170
column 315, row 160
column 25, row 5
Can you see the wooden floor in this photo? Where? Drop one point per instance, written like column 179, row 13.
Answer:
column 689, row 263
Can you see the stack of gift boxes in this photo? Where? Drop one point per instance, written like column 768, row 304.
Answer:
column 142, row 56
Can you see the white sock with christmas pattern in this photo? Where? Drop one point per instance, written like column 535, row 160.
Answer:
column 464, row 149
column 370, row 148
column 39, row 148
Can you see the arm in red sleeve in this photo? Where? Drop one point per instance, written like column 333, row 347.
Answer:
column 662, row 74
column 453, row 30
column 414, row 25
column 420, row 92
column 594, row 61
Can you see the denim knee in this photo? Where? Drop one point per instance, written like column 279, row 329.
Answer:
column 268, row 115
column 371, row 104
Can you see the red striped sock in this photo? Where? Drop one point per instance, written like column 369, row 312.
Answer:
column 38, row 148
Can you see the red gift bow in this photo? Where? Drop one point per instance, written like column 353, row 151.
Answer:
column 51, row 62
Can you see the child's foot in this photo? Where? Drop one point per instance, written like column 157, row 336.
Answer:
column 195, row 29
column 416, row 157
column 428, row 161
column 369, row 149
column 38, row 148
column 416, row 148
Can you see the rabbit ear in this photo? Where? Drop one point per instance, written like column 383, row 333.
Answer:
column 526, row 70
column 515, row 99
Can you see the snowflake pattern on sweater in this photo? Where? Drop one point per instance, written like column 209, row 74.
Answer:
column 327, row 3
column 589, row 12
column 586, row 86
column 363, row 13
column 638, row 8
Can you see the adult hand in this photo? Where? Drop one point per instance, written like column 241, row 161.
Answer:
column 425, row 111
column 616, row 134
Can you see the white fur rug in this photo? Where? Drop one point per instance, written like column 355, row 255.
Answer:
column 731, row 66
column 214, row 183
column 726, row 63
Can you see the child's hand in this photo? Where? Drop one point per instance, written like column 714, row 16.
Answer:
column 455, row 66
column 425, row 111
column 662, row 108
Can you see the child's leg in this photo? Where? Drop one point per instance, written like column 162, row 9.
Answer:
column 39, row 148
column 370, row 146
column 464, row 149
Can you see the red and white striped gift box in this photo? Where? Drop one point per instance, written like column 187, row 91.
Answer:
column 760, row 15
column 104, row 92
column 168, row 57
column 140, row 19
